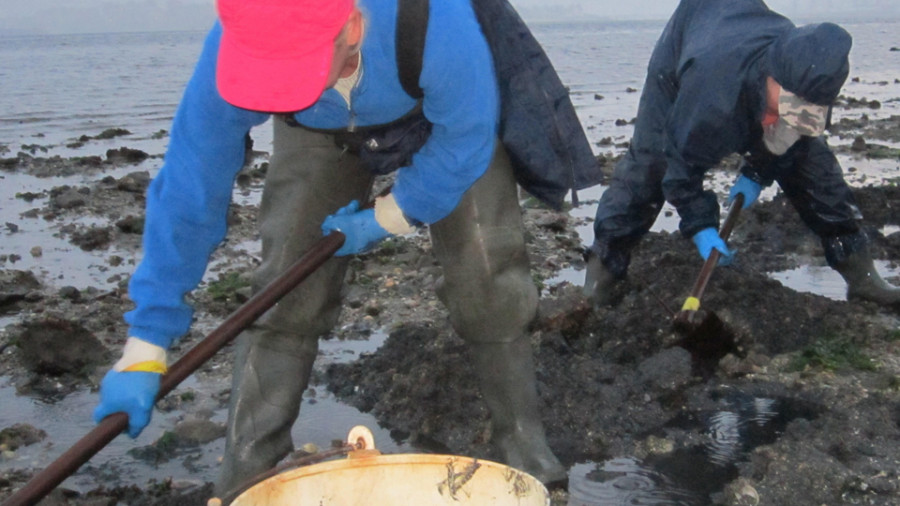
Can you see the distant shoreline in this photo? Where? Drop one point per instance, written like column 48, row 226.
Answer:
column 85, row 21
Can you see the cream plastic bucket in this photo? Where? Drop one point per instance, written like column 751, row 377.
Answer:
column 367, row 478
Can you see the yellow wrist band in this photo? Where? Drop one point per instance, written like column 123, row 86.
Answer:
column 147, row 366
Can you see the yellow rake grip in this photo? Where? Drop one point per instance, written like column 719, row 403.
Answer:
column 691, row 304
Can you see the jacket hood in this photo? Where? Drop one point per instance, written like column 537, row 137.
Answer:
column 812, row 61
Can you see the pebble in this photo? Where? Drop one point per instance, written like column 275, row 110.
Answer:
column 658, row 446
column 184, row 484
column 741, row 492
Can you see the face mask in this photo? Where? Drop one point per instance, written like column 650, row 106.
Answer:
column 779, row 137
column 805, row 117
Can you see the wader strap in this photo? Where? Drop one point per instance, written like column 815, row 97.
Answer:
column 412, row 23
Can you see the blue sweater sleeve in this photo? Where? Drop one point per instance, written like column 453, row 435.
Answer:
column 462, row 101
column 187, row 203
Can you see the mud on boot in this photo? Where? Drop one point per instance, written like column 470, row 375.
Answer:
column 508, row 386
column 527, row 451
column 601, row 286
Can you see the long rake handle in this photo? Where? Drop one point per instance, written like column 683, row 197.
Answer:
column 692, row 303
column 50, row 477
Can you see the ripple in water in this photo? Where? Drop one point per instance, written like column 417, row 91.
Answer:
column 688, row 476
column 625, row 481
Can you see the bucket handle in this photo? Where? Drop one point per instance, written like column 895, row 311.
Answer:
column 360, row 443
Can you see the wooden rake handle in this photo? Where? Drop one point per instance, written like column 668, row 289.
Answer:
column 692, row 303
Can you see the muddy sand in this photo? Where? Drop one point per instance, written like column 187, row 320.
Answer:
column 794, row 399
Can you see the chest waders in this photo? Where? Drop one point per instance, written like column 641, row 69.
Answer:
column 486, row 287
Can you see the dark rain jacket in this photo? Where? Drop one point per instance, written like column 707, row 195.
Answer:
column 538, row 124
column 704, row 99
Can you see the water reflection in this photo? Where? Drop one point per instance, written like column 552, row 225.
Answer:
column 823, row 280
column 688, row 476
column 624, row 481
column 730, row 434
column 323, row 418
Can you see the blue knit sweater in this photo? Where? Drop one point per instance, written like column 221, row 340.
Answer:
column 188, row 200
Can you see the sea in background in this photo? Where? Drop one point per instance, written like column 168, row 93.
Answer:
column 57, row 88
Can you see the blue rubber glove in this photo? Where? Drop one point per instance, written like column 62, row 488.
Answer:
column 748, row 187
column 359, row 227
column 707, row 239
column 133, row 393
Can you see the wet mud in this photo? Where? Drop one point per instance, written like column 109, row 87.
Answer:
column 793, row 398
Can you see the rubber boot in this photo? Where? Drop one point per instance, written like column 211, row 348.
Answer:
column 308, row 178
column 864, row 282
column 271, row 373
column 491, row 297
column 600, row 285
column 508, row 386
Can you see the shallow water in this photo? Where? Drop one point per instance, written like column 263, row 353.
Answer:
column 686, row 477
column 625, row 480
column 59, row 262
column 69, row 419
column 322, row 419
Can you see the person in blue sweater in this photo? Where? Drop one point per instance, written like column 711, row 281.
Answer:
column 326, row 68
column 735, row 77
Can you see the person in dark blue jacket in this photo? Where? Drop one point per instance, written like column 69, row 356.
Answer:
column 329, row 67
column 735, row 77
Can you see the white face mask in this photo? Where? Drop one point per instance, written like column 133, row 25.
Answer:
column 779, row 137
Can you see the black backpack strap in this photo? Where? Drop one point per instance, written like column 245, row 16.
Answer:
column 412, row 24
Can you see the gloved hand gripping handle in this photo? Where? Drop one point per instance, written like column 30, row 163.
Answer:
column 692, row 303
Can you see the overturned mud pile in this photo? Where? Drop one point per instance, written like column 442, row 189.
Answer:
column 621, row 381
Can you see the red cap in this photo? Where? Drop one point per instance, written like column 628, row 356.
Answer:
column 275, row 55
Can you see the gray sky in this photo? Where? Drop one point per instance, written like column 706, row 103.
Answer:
column 60, row 16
